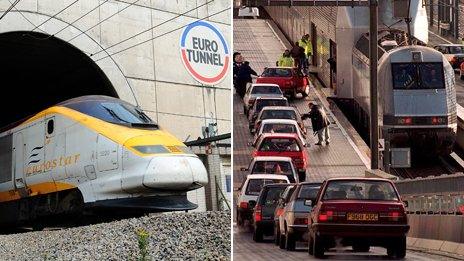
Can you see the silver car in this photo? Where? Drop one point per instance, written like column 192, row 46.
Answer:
column 256, row 90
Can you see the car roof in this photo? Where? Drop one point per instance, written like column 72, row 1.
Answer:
column 288, row 121
column 279, row 108
column 279, row 67
column 311, row 183
column 264, row 84
column 278, row 185
column 272, row 158
column 357, row 178
column 267, row 176
column 271, row 98
column 280, row 135
column 449, row 45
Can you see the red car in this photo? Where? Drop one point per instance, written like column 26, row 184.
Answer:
column 290, row 80
column 283, row 145
column 357, row 212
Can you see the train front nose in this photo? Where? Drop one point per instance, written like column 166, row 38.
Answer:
column 175, row 173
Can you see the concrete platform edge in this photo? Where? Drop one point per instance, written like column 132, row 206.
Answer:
column 436, row 247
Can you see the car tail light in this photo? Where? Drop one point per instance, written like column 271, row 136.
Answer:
column 258, row 215
column 244, row 204
column 392, row 216
column 330, row 215
column 405, row 120
column 279, row 212
column 438, row 120
column 300, row 221
column 453, row 59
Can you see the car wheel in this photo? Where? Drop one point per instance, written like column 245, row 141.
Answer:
column 305, row 93
column 257, row 235
column 239, row 219
column 310, row 246
column 245, row 111
column 361, row 247
column 302, row 176
column 398, row 248
column 318, row 247
column 290, row 242
column 282, row 242
column 276, row 235
column 293, row 94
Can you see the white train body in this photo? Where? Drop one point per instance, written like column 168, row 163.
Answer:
column 112, row 166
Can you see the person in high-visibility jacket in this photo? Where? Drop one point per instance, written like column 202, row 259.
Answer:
column 308, row 47
column 285, row 60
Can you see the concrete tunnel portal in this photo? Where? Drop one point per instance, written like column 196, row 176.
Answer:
column 40, row 70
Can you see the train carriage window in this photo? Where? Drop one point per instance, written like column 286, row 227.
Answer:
column 50, row 126
column 404, row 76
column 431, row 75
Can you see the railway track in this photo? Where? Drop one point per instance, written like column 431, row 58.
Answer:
column 442, row 165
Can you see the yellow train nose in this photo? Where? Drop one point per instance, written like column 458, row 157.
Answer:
column 177, row 172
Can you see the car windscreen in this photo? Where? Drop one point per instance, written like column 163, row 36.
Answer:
column 277, row 72
column 278, row 114
column 255, row 185
column 272, row 167
column 360, row 190
column 279, row 128
column 272, row 196
column 111, row 111
column 308, row 192
column 456, row 49
column 411, row 76
column 280, row 144
column 266, row 90
column 260, row 104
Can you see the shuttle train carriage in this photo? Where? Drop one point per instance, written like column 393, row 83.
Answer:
column 93, row 153
column 417, row 95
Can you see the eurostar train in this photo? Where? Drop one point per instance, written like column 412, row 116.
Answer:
column 93, row 153
column 416, row 90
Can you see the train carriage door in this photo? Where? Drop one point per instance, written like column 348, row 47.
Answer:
column 34, row 139
column 333, row 66
column 55, row 149
column 19, row 173
column 314, row 43
column 107, row 154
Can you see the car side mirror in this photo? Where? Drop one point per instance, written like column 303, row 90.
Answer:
column 405, row 203
column 252, row 203
column 243, row 169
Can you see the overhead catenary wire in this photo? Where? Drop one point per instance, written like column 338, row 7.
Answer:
column 90, row 28
column 163, row 34
column 9, row 8
column 51, row 17
column 151, row 28
column 79, row 18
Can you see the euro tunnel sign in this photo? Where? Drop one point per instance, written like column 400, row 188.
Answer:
column 204, row 52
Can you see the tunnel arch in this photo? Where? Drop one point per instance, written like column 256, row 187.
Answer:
column 39, row 70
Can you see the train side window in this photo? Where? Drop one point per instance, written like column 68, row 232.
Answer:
column 50, row 126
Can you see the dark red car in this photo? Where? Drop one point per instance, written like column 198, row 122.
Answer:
column 358, row 212
column 290, row 80
column 283, row 145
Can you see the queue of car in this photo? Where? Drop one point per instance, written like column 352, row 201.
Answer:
column 276, row 201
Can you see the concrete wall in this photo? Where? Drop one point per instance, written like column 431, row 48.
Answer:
column 152, row 74
column 438, row 227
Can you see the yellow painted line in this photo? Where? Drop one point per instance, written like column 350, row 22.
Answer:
column 35, row 190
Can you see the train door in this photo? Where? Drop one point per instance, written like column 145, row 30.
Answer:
column 55, row 150
column 19, row 173
column 34, row 138
column 333, row 66
column 314, row 43
column 107, row 154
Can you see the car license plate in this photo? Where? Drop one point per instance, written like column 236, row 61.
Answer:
column 362, row 217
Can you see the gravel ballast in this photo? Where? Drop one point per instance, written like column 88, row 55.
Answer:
column 172, row 236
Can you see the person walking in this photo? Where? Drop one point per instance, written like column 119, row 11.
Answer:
column 238, row 59
column 297, row 53
column 285, row 60
column 320, row 122
column 244, row 77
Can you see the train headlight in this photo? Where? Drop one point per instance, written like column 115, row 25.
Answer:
column 438, row 120
column 151, row 149
column 405, row 121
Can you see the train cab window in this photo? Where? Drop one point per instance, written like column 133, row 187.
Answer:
column 418, row 76
column 111, row 110
column 50, row 126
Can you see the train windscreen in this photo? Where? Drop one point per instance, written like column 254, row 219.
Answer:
column 408, row 76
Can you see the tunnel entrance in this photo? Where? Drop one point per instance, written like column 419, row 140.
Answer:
column 38, row 71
